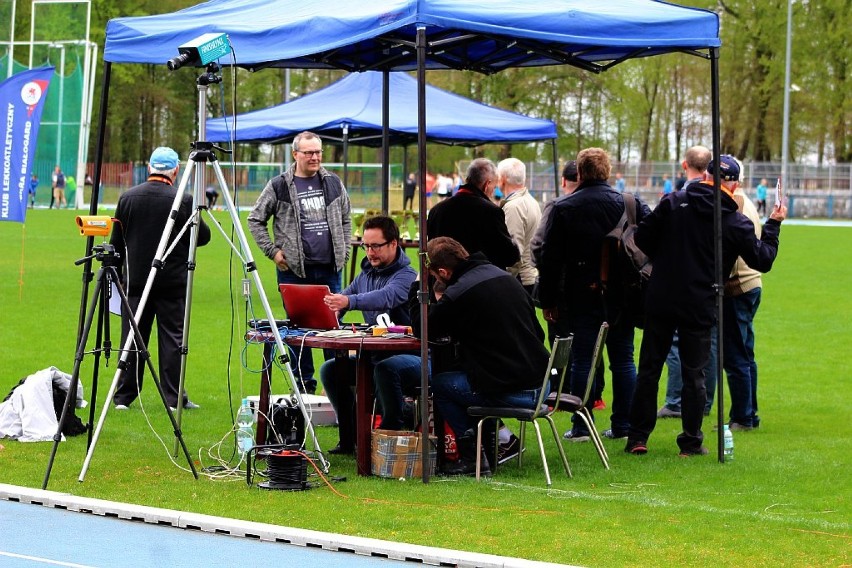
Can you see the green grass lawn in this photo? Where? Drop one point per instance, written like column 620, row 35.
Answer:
column 783, row 501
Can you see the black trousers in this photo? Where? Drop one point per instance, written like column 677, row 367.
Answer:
column 169, row 312
column 694, row 355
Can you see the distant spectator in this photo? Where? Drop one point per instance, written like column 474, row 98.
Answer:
column 58, row 188
column 33, row 188
column 619, row 182
column 409, row 188
column 761, row 197
column 667, row 185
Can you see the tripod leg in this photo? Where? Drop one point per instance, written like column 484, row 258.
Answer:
column 252, row 268
column 122, row 365
column 197, row 202
column 75, row 375
column 102, row 330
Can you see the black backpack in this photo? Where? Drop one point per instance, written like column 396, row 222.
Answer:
column 625, row 269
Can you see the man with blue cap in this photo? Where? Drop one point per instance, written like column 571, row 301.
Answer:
column 141, row 217
column 678, row 237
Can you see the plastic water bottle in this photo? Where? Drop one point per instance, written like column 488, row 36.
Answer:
column 729, row 444
column 245, row 427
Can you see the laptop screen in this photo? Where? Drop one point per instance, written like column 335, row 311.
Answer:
column 305, row 306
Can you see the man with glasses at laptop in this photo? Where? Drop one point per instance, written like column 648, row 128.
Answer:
column 381, row 287
column 311, row 228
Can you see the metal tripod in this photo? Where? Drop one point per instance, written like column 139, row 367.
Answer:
column 203, row 152
column 106, row 278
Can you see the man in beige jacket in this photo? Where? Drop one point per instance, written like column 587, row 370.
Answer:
column 523, row 214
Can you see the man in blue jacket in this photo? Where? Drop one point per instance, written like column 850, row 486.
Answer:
column 678, row 238
column 381, row 287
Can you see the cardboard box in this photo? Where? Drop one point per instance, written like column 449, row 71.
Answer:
column 396, row 454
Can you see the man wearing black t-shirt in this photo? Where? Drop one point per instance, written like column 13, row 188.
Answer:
column 311, row 230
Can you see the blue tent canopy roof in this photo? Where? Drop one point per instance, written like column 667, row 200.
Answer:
column 356, row 101
column 483, row 35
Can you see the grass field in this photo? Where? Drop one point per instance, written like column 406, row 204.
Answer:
column 783, row 501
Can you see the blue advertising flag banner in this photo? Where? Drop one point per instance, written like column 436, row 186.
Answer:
column 22, row 99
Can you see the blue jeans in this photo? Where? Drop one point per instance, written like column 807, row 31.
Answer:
column 338, row 379
column 619, row 348
column 674, row 385
column 453, row 396
column 739, row 362
column 314, row 274
column 395, row 378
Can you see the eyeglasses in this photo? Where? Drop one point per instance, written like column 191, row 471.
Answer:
column 376, row 246
column 311, row 153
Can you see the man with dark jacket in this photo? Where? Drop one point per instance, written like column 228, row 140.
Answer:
column 569, row 276
column 311, row 230
column 678, row 238
column 501, row 357
column 142, row 213
column 472, row 219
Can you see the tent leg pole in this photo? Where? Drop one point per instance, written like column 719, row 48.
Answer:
column 555, row 168
column 717, row 234
column 424, row 269
column 385, row 185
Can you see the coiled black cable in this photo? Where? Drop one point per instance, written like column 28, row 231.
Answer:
column 286, row 470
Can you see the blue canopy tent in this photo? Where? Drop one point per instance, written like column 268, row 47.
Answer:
column 350, row 111
column 352, row 108
column 402, row 35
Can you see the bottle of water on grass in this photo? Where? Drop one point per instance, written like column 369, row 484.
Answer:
column 729, row 444
column 245, row 427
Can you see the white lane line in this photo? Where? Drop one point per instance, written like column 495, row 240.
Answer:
column 44, row 560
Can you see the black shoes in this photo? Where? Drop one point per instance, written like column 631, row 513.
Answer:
column 636, row 447
column 509, row 450
column 700, row 451
column 339, row 450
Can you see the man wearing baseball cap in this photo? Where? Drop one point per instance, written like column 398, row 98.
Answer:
column 678, row 237
column 141, row 217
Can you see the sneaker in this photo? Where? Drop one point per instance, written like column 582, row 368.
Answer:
column 509, row 450
column 636, row 447
column 599, row 405
column 188, row 405
column 573, row 436
column 737, row 427
column 666, row 412
column 121, row 407
column 702, row 451
column 613, row 435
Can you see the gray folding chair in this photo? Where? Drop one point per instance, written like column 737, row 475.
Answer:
column 575, row 404
column 556, row 367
